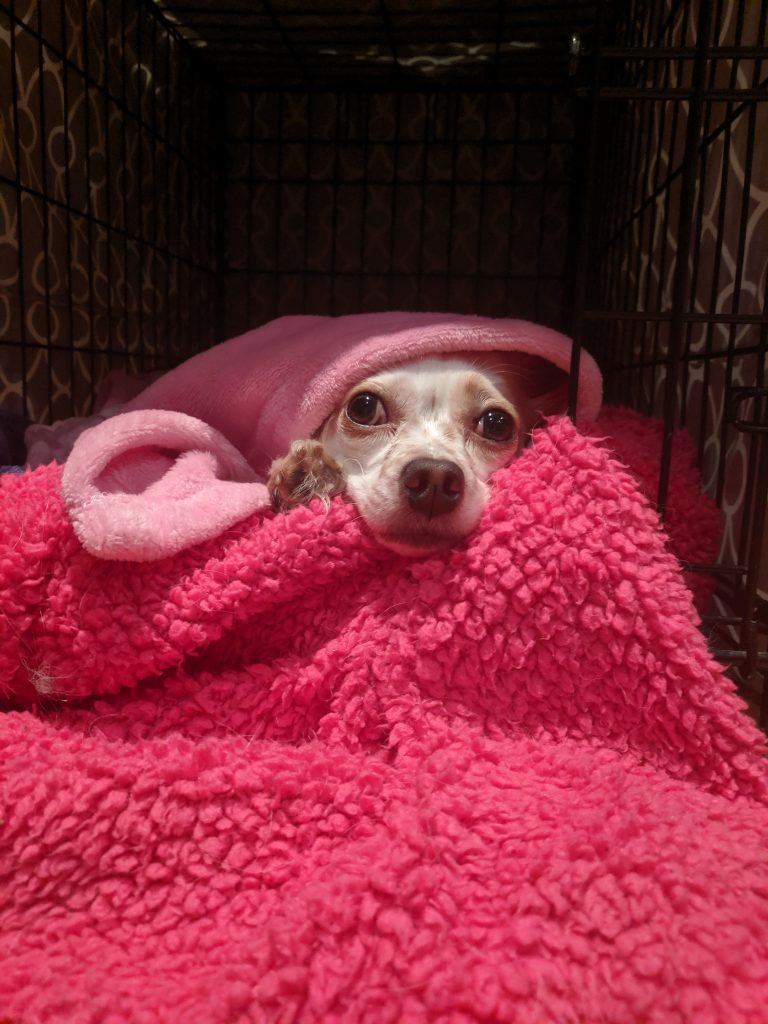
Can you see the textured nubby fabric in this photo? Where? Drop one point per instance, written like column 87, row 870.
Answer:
column 287, row 775
column 188, row 457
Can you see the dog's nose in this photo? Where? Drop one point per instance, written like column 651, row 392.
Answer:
column 433, row 486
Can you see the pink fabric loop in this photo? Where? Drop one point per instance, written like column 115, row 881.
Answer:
column 147, row 484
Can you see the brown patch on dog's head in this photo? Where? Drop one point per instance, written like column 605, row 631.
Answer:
column 531, row 384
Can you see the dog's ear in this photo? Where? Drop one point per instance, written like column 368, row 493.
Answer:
column 531, row 382
column 553, row 402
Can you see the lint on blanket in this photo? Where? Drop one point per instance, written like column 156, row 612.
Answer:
column 286, row 774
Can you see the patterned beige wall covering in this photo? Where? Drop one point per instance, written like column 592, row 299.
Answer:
column 107, row 234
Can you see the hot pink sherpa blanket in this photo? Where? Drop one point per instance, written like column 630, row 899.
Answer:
column 290, row 776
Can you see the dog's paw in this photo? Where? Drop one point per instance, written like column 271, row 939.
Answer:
column 306, row 472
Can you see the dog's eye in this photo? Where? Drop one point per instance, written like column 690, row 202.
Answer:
column 367, row 409
column 496, row 425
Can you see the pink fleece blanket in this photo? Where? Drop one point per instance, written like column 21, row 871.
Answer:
column 289, row 776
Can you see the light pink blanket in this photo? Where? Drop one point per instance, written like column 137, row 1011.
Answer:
column 290, row 776
column 147, row 484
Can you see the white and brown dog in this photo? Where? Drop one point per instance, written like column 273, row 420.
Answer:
column 414, row 446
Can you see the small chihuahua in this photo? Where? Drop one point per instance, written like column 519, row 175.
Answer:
column 415, row 446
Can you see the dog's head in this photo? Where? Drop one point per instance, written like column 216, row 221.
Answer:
column 419, row 442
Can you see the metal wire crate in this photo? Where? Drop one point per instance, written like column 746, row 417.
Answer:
column 174, row 172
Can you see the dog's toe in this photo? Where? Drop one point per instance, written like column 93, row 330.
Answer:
column 306, row 472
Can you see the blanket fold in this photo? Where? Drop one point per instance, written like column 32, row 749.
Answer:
column 161, row 483
column 289, row 775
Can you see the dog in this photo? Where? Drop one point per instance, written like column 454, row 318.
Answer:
column 414, row 447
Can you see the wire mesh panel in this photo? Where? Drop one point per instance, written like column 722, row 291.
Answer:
column 676, row 303
column 344, row 202
column 107, row 200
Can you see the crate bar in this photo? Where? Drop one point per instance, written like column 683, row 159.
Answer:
column 68, row 208
column 585, row 217
column 109, row 182
column 308, row 140
column 618, row 92
column 489, row 96
column 219, row 110
column 277, row 253
column 364, row 112
column 693, row 318
column 181, row 251
column 341, row 124
column 168, row 75
column 739, row 263
column 45, row 209
column 704, row 153
column 153, row 231
column 542, row 214
column 393, row 219
column 141, row 356
column 249, row 217
column 656, row 53
column 23, row 335
column 680, row 289
column 514, row 193
column 455, row 139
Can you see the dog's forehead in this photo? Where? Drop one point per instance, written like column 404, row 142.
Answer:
column 436, row 382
